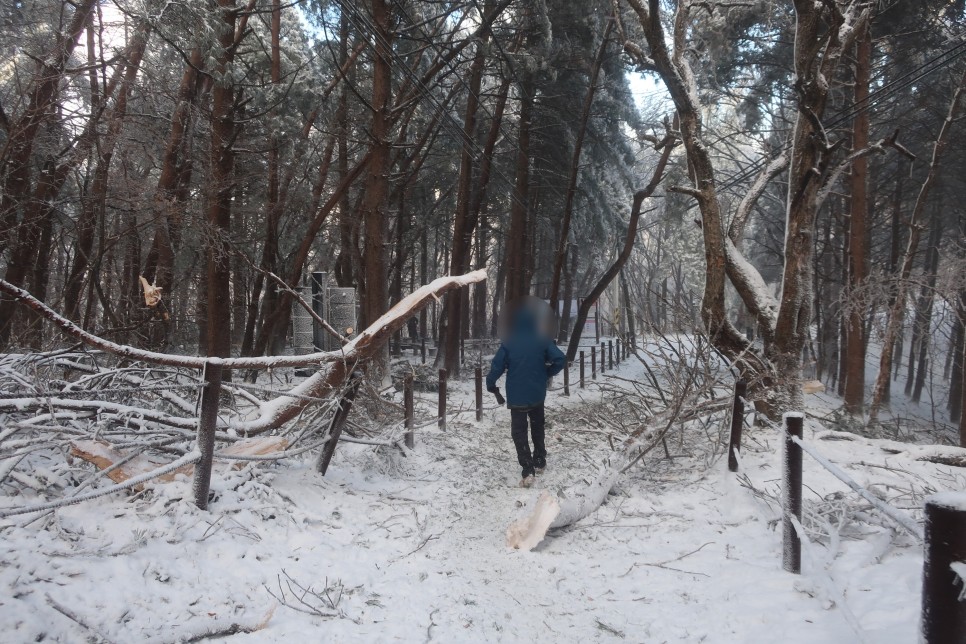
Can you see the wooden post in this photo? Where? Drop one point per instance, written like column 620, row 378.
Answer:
column 422, row 345
column 441, row 409
column 462, row 352
column 737, row 421
column 943, row 600
column 792, row 494
column 603, row 357
column 338, row 422
column 479, row 393
column 409, row 407
column 210, row 395
column 582, row 370
column 593, row 362
column 597, row 322
column 566, row 372
column 610, row 355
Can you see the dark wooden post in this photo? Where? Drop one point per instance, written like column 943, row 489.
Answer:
column 597, row 322
column 610, row 355
column 593, row 362
column 408, row 406
column 566, row 373
column 582, row 370
column 422, row 346
column 603, row 357
column 462, row 351
column 737, row 421
column 338, row 422
column 479, row 393
column 441, row 409
column 207, row 421
column 792, row 494
column 943, row 599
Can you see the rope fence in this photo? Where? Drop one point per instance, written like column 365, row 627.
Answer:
column 943, row 614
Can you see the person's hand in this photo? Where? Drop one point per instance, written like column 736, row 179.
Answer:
column 492, row 390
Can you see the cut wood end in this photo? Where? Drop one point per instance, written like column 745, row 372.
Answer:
column 529, row 530
column 103, row 455
column 152, row 293
column 813, row 386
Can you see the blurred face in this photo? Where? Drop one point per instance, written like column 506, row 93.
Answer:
column 537, row 310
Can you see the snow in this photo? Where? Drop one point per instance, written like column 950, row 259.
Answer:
column 950, row 500
column 959, row 567
column 413, row 547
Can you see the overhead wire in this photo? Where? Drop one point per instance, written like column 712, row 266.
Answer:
column 874, row 98
column 469, row 144
column 364, row 25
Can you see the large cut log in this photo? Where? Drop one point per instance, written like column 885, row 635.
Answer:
column 333, row 367
column 546, row 511
column 104, row 456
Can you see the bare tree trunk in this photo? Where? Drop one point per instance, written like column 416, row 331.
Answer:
column 517, row 242
column 16, row 158
column 217, row 250
column 94, row 206
column 169, row 193
column 568, row 294
column 896, row 313
column 560, row 255
column 956, row 377
column 856, row 347
column 923, row 319
column 17, row 150
column 961, row 394
column 375, row 300
column 629, row 240
column 466, row 218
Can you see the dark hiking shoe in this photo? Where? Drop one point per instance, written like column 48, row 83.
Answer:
column 539, row 464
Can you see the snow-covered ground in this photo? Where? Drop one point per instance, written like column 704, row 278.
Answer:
column 389, row 547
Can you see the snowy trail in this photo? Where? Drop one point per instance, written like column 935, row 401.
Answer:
column 413, row 550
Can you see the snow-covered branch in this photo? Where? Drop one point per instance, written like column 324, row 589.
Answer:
column 393, row 319
column 774, row 168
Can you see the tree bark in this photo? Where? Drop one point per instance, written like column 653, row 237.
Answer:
column 16, row 154
column 896, row 313
column 517, row 241
column 217, row 249
column 375, row 299
column 94, row 205
column 561, row 253
column 466, row 218
column 858, row 252
column 629, row 240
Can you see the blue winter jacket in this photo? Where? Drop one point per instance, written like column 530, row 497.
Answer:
column 528, row 358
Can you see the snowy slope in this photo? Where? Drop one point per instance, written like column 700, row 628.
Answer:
column 412, row 548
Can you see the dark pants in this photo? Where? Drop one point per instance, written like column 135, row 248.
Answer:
column 518, row 430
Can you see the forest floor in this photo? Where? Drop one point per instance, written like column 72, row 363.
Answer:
column 388, row 547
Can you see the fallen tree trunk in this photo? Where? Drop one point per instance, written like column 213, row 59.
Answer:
column 333, row 371
column 546, row 511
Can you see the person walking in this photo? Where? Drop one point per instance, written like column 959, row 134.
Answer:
column 529, row 359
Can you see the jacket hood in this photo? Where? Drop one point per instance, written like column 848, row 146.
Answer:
column 524, row 321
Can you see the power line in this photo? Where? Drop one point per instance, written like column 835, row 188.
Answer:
column 868, row 103
column 364, row 25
